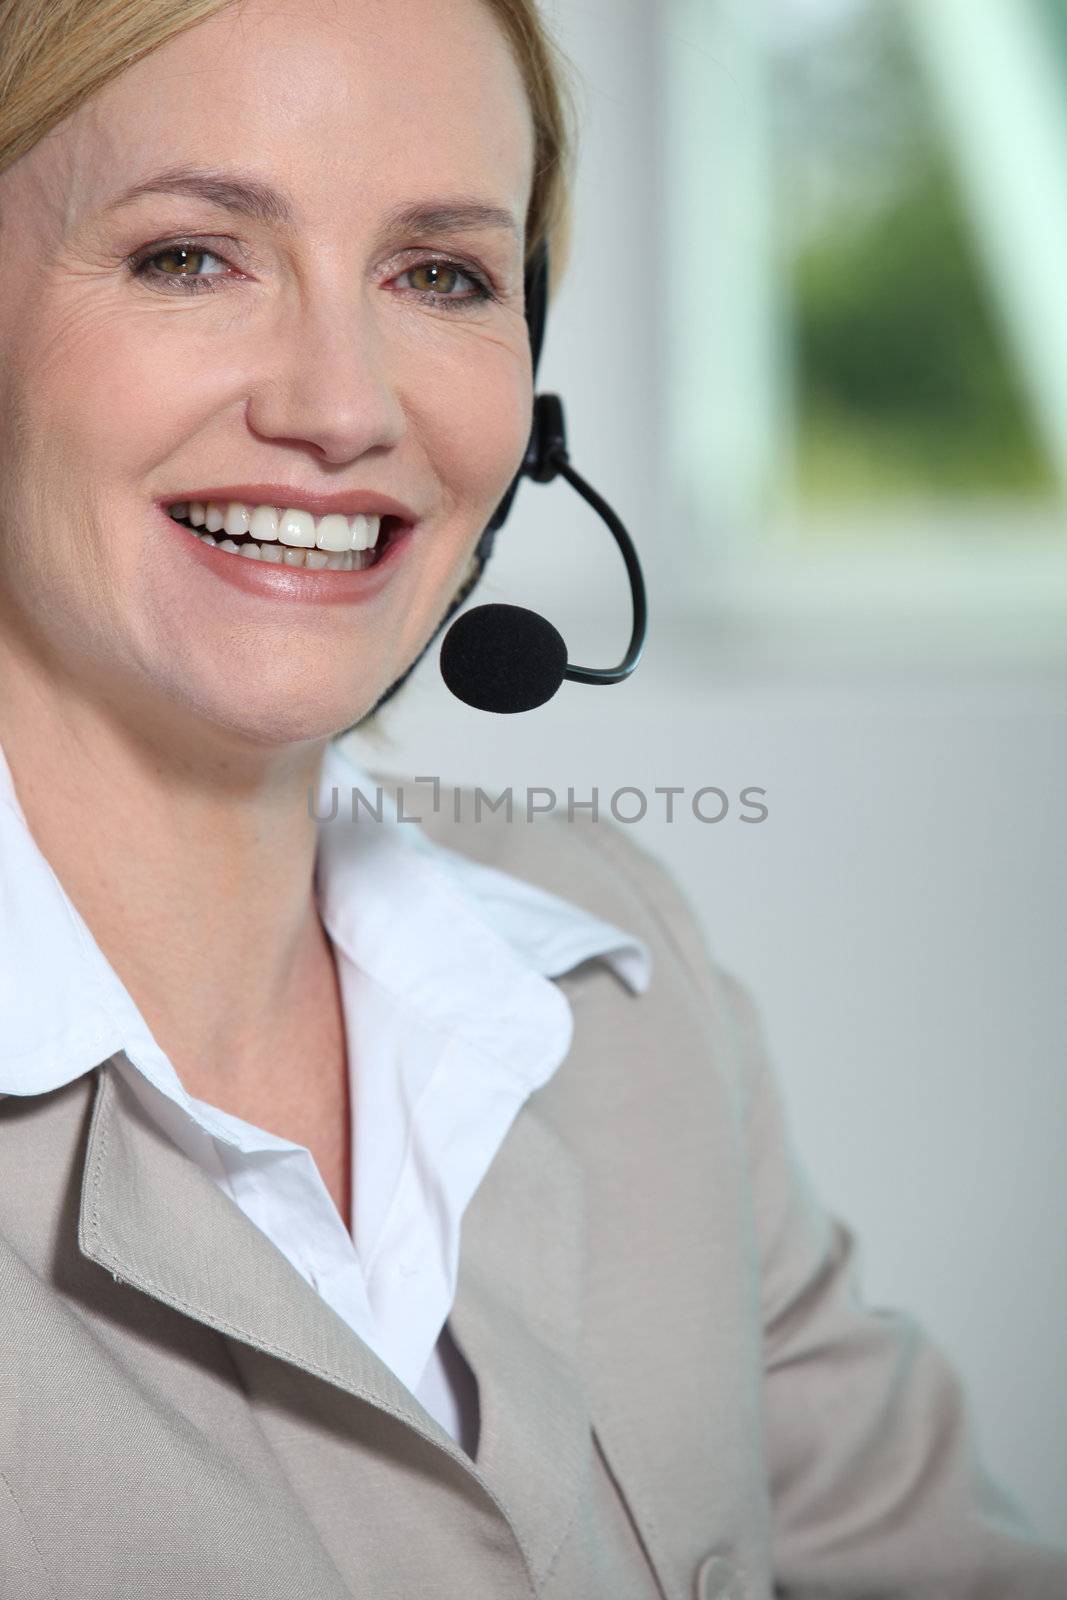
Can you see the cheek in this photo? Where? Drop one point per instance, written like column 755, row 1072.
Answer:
column 473, row 423
column 121, row 396
column 88, row 406
column 83, row 416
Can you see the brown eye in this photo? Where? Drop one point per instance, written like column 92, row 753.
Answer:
column 186, row 257
column 433, row 272
column 440, row 277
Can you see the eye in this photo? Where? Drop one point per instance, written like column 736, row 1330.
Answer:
column 181, row 251
column 451, row 270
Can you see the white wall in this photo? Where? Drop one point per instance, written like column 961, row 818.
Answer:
column 899, row 914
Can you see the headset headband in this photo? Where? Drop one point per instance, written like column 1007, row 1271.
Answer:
column 536, row 315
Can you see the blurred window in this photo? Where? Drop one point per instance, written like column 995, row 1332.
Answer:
column 906, row 383
column 865, row 316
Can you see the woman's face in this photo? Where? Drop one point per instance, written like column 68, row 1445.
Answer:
column 317, row 357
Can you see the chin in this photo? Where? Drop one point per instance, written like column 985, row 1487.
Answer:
column 281, row 723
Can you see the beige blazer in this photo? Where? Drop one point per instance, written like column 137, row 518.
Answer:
column 680, row 1394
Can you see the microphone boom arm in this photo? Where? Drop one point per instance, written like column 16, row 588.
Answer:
column 546, row 457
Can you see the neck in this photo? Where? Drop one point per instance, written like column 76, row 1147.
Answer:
column 191, row 860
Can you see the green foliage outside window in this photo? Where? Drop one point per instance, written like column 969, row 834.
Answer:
column 904, row 384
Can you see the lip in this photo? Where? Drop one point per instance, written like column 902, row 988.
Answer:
column 285, row 497
column 318, row 586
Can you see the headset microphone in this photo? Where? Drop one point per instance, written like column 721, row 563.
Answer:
column 506, row 658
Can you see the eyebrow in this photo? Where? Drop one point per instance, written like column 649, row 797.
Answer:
column 263, row 202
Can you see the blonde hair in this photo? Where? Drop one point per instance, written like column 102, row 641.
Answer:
column 54, row 54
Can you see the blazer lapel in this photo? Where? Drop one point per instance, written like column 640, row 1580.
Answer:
column 151, row 1217
column 518, row 1320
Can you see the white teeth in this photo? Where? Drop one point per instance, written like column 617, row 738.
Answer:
column 236, row 519
column 276, row 554
column 298, row 529
column 334, row 533
column 262, row 523
column 364, row 531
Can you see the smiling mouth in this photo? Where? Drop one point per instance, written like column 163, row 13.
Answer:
column 276, row 552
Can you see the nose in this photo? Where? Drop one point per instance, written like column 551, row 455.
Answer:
column 324, row 384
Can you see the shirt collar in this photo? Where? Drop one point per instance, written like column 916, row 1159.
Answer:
column 457, row 941
column 548, row 934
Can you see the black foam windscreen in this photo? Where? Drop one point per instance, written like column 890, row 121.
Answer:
column 503, row 658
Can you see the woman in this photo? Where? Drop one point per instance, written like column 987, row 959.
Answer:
column 263, row 305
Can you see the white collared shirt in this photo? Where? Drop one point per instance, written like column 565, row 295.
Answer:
column 451, row 1021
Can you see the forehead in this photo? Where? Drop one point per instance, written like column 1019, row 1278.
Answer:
column 352, row 103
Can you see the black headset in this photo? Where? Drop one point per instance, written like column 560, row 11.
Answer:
column 506, row 658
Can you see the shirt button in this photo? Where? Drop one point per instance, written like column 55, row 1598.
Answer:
column 717, row 1579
